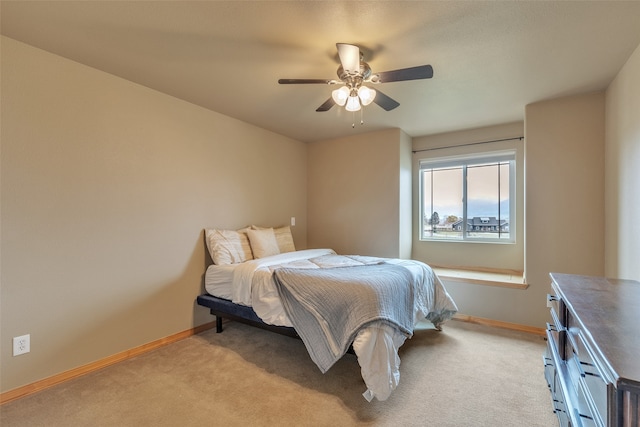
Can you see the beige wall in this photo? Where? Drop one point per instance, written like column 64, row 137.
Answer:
column 106, row 187
column 565, row 189
column 356, row 197
column 406, row 197
column 622, row 176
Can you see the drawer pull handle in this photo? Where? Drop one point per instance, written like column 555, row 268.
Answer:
column 580, row 370
column 592, row 374
column 551, row 299
column 584, row 373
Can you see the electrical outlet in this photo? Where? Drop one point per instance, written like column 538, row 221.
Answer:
column 21, row 344
column 293, row 221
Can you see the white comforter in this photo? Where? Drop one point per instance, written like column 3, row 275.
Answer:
column 376, row 346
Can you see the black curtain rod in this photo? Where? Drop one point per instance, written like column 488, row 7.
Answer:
column 471, row 143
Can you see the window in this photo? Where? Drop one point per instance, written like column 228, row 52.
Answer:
column 470, row 198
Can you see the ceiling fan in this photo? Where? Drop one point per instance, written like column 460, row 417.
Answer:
column 353, row 73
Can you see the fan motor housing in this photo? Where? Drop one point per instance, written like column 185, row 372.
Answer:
column 363, row 73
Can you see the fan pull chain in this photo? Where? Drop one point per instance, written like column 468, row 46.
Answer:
column 353, row 121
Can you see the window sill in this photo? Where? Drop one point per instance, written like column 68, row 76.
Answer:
column 482, row 276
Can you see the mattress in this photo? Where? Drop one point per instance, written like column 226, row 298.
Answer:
column 250, row 283
column 217, row 280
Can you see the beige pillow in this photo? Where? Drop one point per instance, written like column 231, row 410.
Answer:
column 228, row 246
column 263, row 242
column 283, row 237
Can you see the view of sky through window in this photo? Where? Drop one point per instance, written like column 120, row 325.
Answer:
column 487, row 193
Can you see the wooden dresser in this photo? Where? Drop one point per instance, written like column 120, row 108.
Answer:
column 592, row 360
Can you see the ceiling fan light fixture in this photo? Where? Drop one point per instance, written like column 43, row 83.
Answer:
column 340, row 95
column 366, row 95
column 353, row 104
column 353, row 72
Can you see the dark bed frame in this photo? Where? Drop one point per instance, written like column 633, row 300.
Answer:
column 225, row 309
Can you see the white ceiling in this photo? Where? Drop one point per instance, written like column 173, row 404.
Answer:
column 490, row 59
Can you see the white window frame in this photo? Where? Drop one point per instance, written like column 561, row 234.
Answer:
column 463, row 161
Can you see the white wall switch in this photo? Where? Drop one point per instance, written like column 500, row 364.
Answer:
column 293, row 221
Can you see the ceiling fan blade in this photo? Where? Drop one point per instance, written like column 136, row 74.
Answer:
column 305, row 81
column 413, row 73
column 349, row 57
column 385, row 101
column 327, row 105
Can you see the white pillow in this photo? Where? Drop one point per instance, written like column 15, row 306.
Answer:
column 263, row 242
column 228, row 246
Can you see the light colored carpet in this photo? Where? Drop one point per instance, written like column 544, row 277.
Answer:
column 466, row 375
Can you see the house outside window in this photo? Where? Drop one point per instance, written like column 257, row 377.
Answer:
column 468, row 198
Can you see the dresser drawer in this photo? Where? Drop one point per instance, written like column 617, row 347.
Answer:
column 549, row 368
column 559, row 406
column 553, row 335
column 588, row 380
column 553, row 302
column 551, row 359
column 583, row 405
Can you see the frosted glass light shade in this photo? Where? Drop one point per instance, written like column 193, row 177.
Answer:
column 349, row 57
column 366, row 95
column 340, row 95
column 353, row 104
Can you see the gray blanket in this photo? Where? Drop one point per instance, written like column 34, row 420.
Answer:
column 328, row 307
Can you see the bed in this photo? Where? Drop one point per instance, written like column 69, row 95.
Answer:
column 271, row 285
